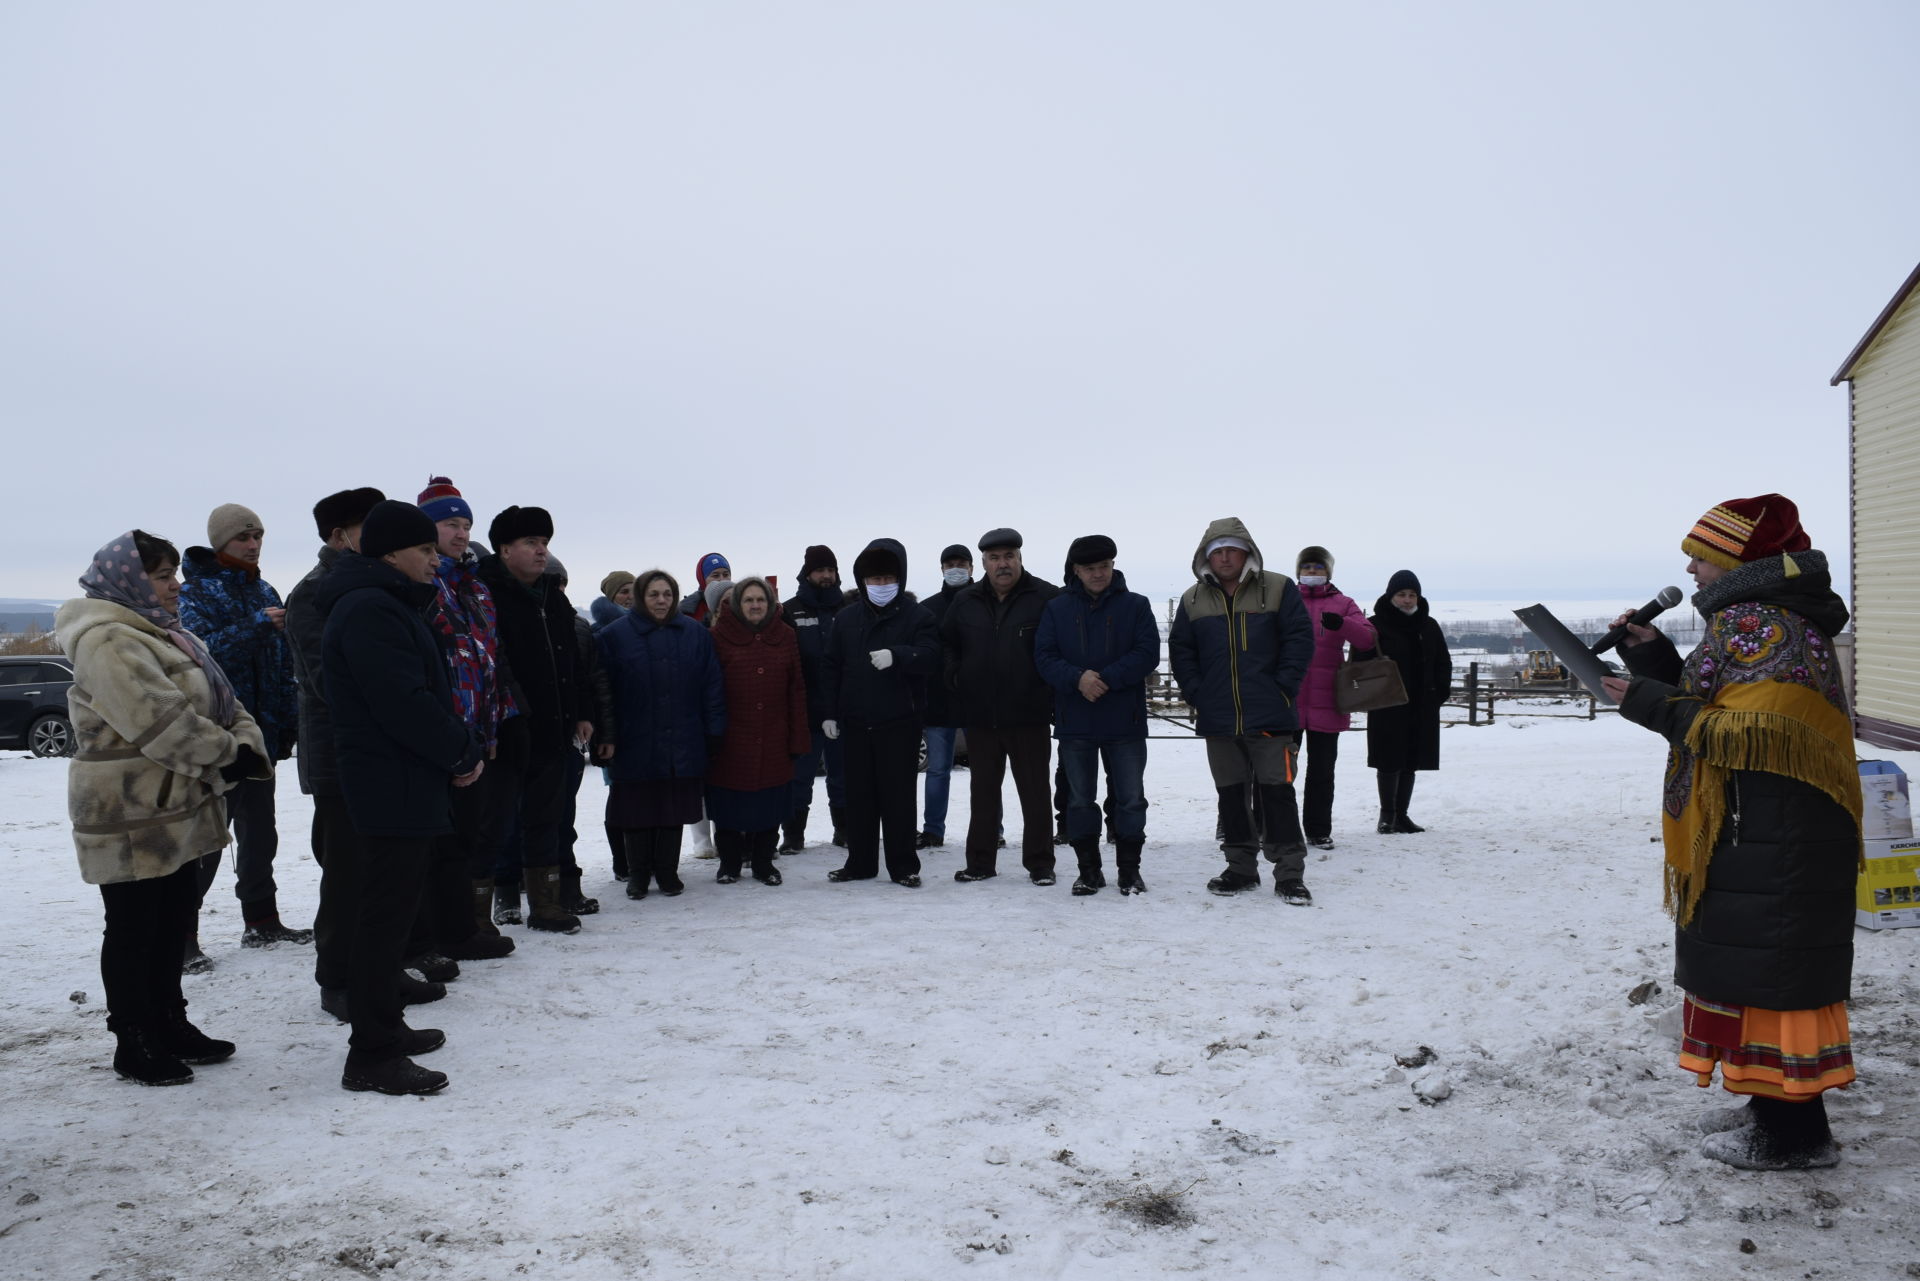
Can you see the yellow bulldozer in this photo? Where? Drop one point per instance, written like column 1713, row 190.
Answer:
column 1543, row 669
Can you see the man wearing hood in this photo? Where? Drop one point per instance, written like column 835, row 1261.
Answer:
column 1004, row 705
column 880, row 651
column 712, row 575
column 1096, row 646
column 1240, row 646
column 810, row 612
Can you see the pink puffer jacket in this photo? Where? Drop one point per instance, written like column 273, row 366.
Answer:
column 1317, row 711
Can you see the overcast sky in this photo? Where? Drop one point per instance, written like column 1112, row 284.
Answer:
column 1505, row 293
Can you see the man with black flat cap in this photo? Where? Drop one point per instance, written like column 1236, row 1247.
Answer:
column 1004, row 706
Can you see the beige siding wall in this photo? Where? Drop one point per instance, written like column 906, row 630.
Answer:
column 1886, row 521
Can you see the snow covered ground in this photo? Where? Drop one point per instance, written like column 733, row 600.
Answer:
column 984, row 1080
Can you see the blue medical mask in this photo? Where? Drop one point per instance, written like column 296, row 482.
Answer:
column 882, row 595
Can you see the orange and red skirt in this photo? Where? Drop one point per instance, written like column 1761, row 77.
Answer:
column 1778, row 1054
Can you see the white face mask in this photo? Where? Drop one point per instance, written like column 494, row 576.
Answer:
column 954, row 577
column 882, row 594
column 1313, row 580
column 1408, row 609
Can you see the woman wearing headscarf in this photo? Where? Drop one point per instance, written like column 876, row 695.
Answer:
column 1338, row 624
column 161, row 738
column 1401, row 740
column 668, row 701
column 1761, row 822
column 750, row 782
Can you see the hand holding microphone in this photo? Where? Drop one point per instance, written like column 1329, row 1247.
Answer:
column 1634, row 625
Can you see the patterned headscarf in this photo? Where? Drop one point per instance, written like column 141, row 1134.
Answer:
column 116, row 576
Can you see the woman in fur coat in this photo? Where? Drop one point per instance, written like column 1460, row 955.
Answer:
column 161, row 739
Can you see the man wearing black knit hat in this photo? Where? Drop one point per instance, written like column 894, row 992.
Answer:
column 810, row 612
column 401, row 748
column 538, row 645
column 942, row 727
column 1003, row 704
column 1096, row 647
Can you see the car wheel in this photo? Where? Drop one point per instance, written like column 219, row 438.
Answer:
column 923, row 754
column 50, row 736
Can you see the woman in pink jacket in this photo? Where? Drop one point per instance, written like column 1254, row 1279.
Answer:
column 1338, row 623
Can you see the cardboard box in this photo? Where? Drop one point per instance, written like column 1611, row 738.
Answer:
column 1888, row 893
column 1887, row 814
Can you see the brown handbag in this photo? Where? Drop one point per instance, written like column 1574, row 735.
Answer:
column 1368, row 685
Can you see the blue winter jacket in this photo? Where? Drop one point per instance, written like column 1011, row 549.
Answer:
column 604, row 612
column 1115, row 636
column 667, row 695
column 227, row 608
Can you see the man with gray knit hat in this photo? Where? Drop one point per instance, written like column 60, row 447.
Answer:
column 225, row 602
column 1003, row 704
column 1239, row 648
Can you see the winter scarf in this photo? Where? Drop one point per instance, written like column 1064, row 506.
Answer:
column 117, row 578
column 463, row 620
column 1774, row 702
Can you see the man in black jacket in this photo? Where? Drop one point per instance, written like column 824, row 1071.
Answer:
column 956, row 574
column 538, row 643
column 400, row 748
column 592, row 680
column 1004, row 704
column 810, row 613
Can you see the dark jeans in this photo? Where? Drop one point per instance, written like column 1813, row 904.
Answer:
column 382, row 878
column 256, row 839
column 1125, row 761
column 333, row 844
column 148, row 923
column 882, row 764
column 524, row 816
column 940, row 745
column 568, row 835
column 1029, row 750
column 1258, row 769
column 1322, row 751
column 807, row 768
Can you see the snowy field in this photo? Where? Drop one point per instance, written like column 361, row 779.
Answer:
column 992, row 1080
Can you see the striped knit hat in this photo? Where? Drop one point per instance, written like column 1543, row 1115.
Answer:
column 441, row 501
column 1743, row 530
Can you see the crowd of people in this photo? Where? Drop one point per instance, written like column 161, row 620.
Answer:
column 445, row 702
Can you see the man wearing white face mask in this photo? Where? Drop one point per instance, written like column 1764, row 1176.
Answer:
column 956, row 572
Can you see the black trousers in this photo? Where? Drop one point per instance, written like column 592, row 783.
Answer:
column 256, row 839
column 1029, row 749
column 334, row 844
column 523, row 820
column 1322, row 751
column 882, row 770
column 445, row 915
column 383, row 876
column 147, row 924
column 735, row 848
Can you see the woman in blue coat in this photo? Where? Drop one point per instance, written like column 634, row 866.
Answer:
column 671, row 708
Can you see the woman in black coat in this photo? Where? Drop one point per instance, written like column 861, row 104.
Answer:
column 1761, row 824
column 1401, row 740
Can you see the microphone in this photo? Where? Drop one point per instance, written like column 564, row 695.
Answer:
column 1666, row 600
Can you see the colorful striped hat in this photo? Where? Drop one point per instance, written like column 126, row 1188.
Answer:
column 441, row 501
column 1743, row 530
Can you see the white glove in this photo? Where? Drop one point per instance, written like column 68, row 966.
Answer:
column 882, row 659
column 830, row 728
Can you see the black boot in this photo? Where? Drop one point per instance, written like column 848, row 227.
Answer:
column 571, row 896
column 727, row 844
column 1402, row 797
column 1127, row 858
column 546, row 909
column 839, row 815
column 433, row 967
column 392, row 1076
column 638, row 846
column 795, row 832
column 506, row 904
column 1387, row 781
column 1091, row 879
column 666, row 861
column 760, row 850
column 192, row 959
column 1783, row 1136
column 616, row 842
column 140, row 1055
column 188, row 1043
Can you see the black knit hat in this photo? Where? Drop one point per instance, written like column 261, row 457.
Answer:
column 1403, row 580
column 344, row 510
column 1091, row 549
column 519, row 522
column 392, row 525
column 957, row 551
column 1002, row 537
column 819, row 556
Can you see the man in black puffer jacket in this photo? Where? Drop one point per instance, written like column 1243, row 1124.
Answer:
column 810, row 612
column 942, row 729
column 880, row 653
column 1004, row 705
column 400, row 748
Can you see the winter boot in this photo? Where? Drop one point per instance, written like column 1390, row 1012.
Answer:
column 188, row 1043
column 192, row 959
column 544, row 910
column 728, row 844
column 839, row 816
column 1402, row 797
column 1232, row 882
column 1091, row 879
column 1060, row 831
column 1388, row 783
column 392, row 1076
column 483, row 926
column 1127, row 858
column 703, row 846
column 433, row 967
column 1783, row 1136
column 794, row 832
column 761, row 852
column 140, row 1055
column 506, row 905
column 415, row 991
column 264, row 928
column 1293, row 892
column 666, row 863
column 571, row 896
column 619, row 847
column 479, row 946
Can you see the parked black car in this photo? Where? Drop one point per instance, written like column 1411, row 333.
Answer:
column 33, row 704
